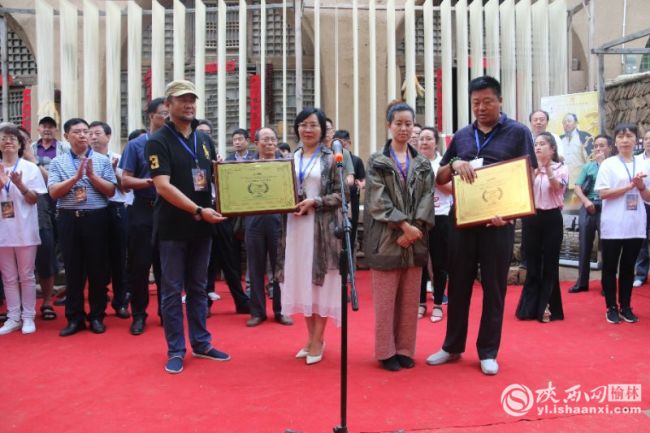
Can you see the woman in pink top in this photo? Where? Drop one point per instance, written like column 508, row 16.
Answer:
column 540, row 296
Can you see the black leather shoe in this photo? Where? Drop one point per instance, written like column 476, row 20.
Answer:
column 254, row 321
column 391, row 364
column 283, row 320
column 577, row 289
column 59, row 301
column 122, row 313
column 72, row 328
column 97, row 326
column 405, row 361
column 137, row 327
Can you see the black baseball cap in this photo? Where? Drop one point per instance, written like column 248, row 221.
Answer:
column 47, row 119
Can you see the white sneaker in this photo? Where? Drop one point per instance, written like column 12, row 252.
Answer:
column 9, row 326
column 29, row 327
column 637, row 283
column 441, row 357
column 489, row 366
column 214, row 296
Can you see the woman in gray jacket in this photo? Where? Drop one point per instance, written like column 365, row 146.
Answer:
column 398, row 212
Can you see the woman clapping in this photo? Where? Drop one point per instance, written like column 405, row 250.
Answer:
column 20, row 183
column 543, row 232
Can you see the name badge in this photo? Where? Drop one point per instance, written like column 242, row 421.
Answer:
column 631, row 201
column 476, row 163
column 8, row 209
column 80, row 194
column 200, row 179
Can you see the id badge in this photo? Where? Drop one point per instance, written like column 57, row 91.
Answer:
column 199, row 177
column 631, row 201
column 476, row 163
column 80, row 194
column 8, row 209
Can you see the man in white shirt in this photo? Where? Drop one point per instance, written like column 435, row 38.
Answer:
column 99, row 137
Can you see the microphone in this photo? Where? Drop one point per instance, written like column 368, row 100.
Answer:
column 337, row 148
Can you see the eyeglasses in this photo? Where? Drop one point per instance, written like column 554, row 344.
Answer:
column 308, row 126
column 8, row 138
column 162, row 114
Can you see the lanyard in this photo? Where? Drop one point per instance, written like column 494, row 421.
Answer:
column 8, row 184
column 76, row 166
column 487, row 140
column 301, row 172
column 399, row 165
column 626, row 169
column 182, row 142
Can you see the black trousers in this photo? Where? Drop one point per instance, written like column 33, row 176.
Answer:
column 621, row 254
column 544, row 232
column 226, row 255
column 491, row 248
column 142, row 254
column 588, row 225
column 117, row 244
column 438, row 251
column 261, row 241
column 83, row 236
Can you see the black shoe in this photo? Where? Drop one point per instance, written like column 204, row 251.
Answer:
column 122, row 313
column 627, row 315
column 283, row 320
column 405, row 361
column 137, row 327
column 612, row 315
column 72, row 328
column 578, row 289
column 97, row 327
column 390, row 364
column 254, row 321
column 60, row 301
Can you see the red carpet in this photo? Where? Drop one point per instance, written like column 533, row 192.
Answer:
column 115, row 382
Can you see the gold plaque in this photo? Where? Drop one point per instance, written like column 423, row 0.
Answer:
column 255, row 187
column 503, row 189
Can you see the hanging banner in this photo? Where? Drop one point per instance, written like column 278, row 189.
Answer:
column 27, row 109
column 254, row 86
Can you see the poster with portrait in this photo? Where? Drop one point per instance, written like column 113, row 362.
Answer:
column 575, row 119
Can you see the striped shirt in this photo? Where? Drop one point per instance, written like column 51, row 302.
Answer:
column 65, row 166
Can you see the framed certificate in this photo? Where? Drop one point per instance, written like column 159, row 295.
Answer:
column 503, row 189
column 255, row 187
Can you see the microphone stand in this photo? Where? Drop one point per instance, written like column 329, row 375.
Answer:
column 346, row 266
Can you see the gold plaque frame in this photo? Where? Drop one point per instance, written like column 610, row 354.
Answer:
column 255, row 187
column 504, row 189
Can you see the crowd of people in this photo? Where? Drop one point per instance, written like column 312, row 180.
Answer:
column 113, row 220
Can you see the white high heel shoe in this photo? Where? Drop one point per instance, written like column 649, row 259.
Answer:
column 315, row 359
column 302, row 353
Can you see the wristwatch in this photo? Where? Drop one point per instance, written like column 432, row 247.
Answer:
column 197, row 213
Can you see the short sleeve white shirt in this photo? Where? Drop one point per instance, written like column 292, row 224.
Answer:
column 617, row 221
column 22, row 229
column 442, row 200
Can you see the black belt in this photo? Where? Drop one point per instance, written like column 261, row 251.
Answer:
column 116, row 204
column 80, row 213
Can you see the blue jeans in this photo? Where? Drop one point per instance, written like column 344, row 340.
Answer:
column 184, row 266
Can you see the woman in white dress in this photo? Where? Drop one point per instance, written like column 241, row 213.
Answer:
column 20, row 183
column 308, row 253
